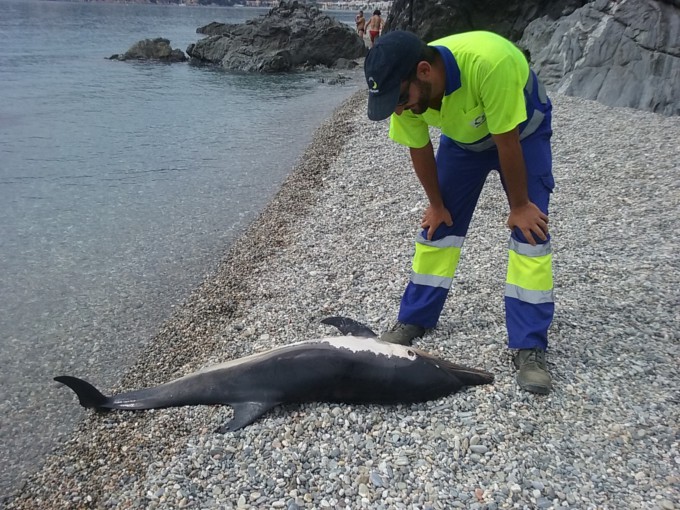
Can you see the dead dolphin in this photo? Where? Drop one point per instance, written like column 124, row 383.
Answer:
column 344, row 369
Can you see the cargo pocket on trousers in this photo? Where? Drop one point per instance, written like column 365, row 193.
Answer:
column 548, row 181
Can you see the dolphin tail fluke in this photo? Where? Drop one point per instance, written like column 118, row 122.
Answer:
column 349, row 327
column 88, row 395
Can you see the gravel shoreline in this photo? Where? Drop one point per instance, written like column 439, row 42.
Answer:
column 337, row 239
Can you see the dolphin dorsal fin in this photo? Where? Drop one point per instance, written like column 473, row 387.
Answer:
column 349, row 327
column 246, row 413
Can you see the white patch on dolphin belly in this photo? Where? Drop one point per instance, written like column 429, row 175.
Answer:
column 378, row 347
column 351, row 343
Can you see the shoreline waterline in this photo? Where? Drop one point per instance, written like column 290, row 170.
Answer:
column 167, row 350
column 120, row 186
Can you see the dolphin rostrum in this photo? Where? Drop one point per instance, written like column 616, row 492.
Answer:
column 344, row 369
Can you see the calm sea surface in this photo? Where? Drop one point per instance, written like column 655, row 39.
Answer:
column 121, row 186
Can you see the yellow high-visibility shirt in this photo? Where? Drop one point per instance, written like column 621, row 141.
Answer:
column 485, row 79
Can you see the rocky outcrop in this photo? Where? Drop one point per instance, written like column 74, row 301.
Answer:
column 432, row 19
column 621, row 53
column 158, row 49
column 290, row 36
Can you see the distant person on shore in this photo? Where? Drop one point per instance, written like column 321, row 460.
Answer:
column 361, row 24
column 375, row 26
column 493, row 114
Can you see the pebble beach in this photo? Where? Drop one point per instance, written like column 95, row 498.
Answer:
column 337, row 240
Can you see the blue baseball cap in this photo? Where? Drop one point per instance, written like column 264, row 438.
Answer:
column 391, row 60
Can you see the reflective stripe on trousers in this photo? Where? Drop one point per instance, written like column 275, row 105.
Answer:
column 529, row 300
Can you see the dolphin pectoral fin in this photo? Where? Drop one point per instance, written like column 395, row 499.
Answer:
column 349, row 327
column 88, row 395
column 246, row 413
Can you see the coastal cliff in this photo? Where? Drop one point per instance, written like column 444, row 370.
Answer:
column 618, row 52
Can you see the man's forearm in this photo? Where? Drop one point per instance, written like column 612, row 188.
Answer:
column 425, row 167
column 512, row 167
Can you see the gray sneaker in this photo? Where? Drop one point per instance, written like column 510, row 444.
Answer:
column 402, row 334
column 532, row 373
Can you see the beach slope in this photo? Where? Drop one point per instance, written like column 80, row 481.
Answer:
column 337, row 240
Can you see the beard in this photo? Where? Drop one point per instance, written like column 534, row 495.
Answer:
column 424, row 97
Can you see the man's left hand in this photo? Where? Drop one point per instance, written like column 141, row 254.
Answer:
column 531, row 221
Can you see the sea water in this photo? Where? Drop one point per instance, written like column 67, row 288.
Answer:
column 122, row 185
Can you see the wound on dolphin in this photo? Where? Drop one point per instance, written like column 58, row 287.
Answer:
column 353, row 369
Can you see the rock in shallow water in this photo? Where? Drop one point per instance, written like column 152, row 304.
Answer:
column 289, row 37
column 158, row 49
